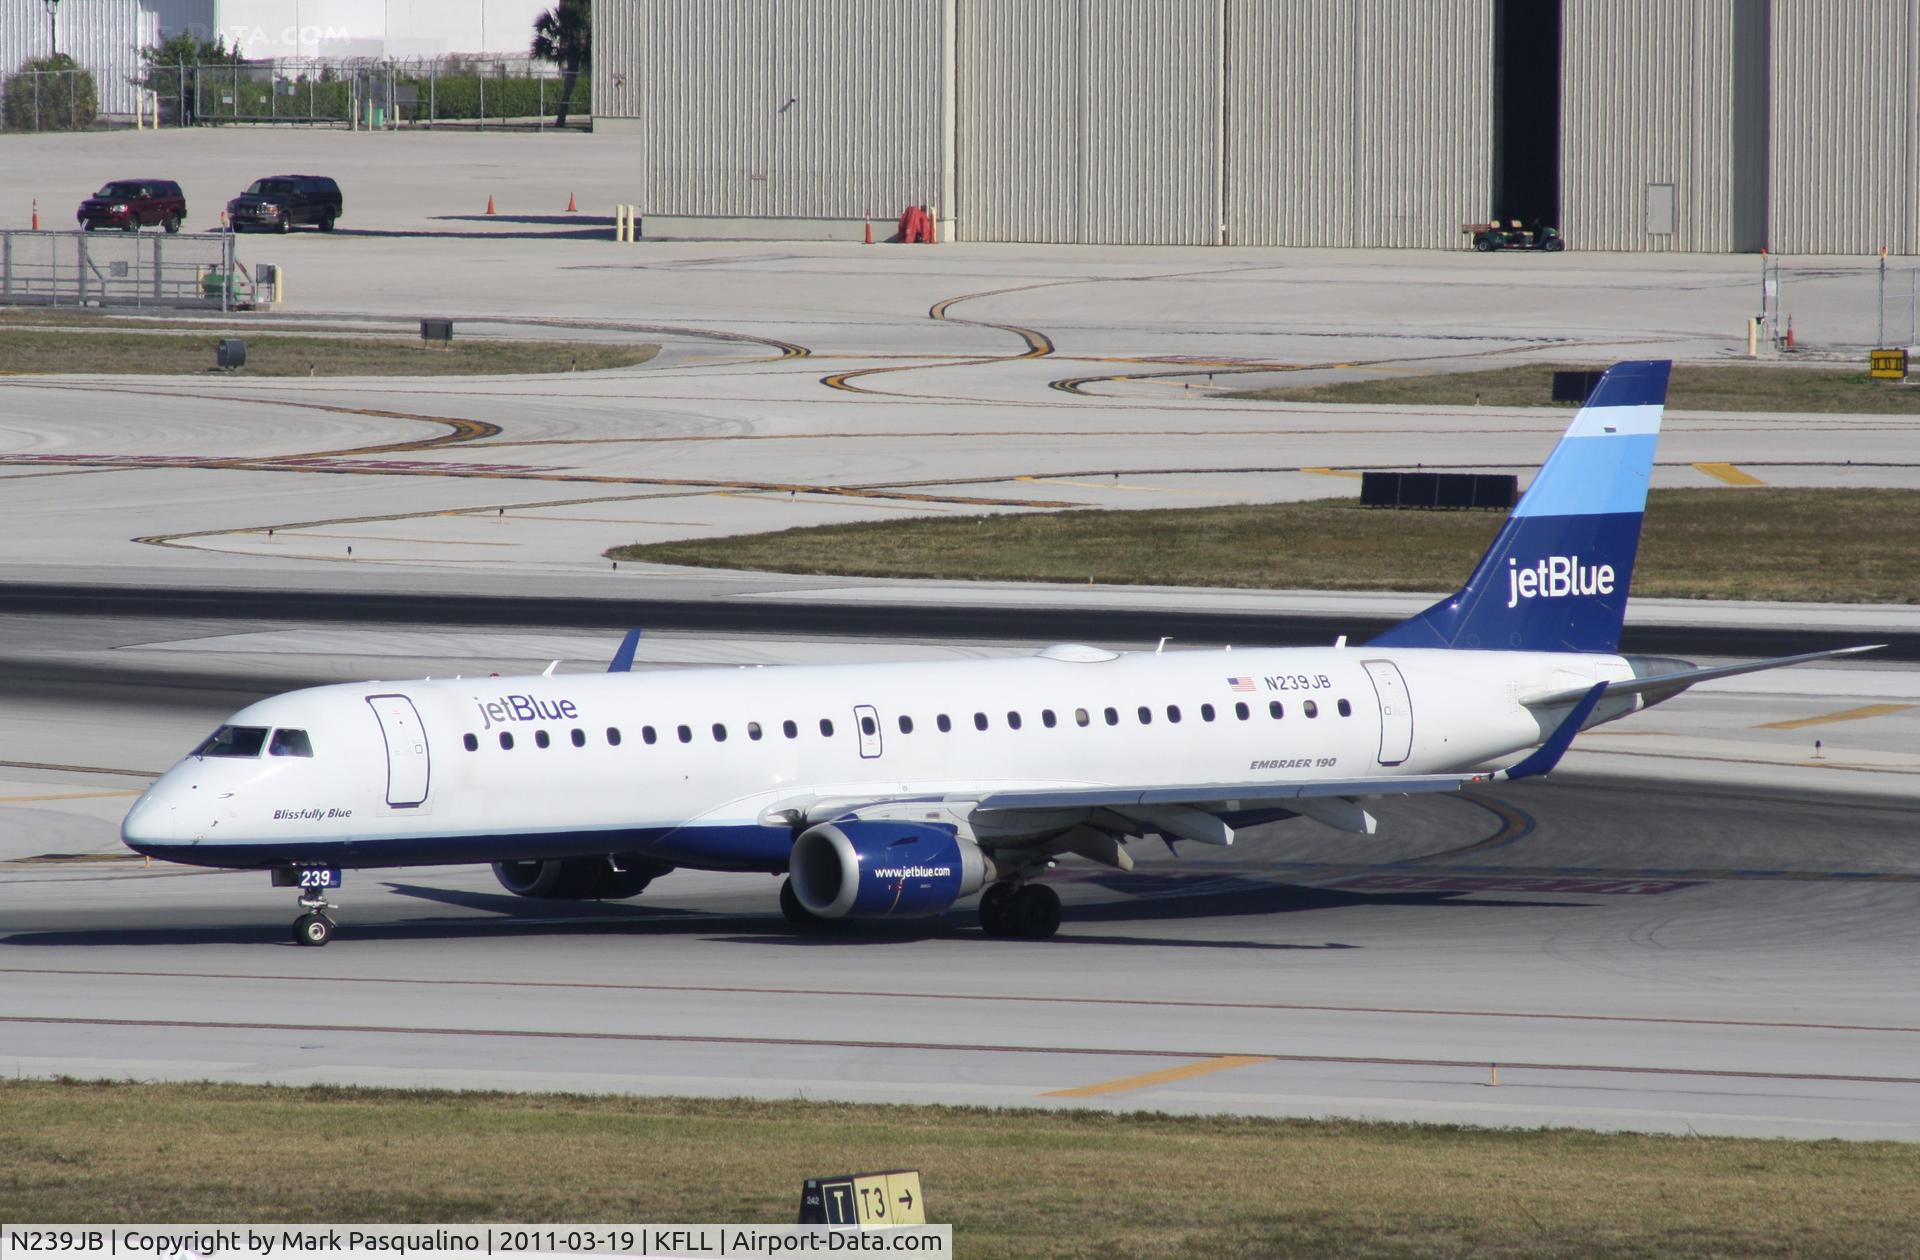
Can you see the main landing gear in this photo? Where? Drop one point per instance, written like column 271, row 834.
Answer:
column 313, row 927
column 1031, row 911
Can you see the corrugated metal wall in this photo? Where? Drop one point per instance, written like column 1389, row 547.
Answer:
column 1088, row 121
column 1647, row 98
column 1846, row 126
column 807, row 108
column 105, row 36
column 1358, row 125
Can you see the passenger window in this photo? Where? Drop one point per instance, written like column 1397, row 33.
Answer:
column 472, row 744
column 1080, row 717
column 1047, row 718
column 685, row 733
column 1346, row 710
column 719, row 733
column 1146, row 715
column 1206, row 713
column 289, row 743
column 979, row 721
column 790, row 730
column 1309, row 708
column 1173, row 713
column 506, row 740
column 826, row 727
column 647, row 735
column 1241, row 711
column 1113, row 716
column 233, row 741
column 944, row 722
column 613, row 736
column 1013, row 720
column 1276, row 710
column 868, row 726
column 540, row 739
column 579, row 738
column 753, row 730
column 906, row 725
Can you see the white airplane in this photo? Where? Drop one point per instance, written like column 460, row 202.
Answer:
column 894, row 790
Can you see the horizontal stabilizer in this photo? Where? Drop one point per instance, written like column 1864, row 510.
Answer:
column 1657, row 687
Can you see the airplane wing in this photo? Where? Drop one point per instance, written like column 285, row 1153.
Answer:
column 1657, row 687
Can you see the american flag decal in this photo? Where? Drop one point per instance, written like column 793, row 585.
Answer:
column 1240, row 684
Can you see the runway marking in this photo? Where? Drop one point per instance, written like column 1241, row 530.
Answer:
column 1477, row 1066
column 1841, row 715
column 1335, row 472
column 70, row 796
column 1729, row 474
column 1146, row 1080
column 896, row 995
column 48, row 765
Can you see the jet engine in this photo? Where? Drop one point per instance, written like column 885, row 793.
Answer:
column 873, row 869
column 607, row 878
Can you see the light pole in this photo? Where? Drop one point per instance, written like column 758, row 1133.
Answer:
column 53, row 36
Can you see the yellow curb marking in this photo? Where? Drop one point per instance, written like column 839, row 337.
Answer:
column 1335, row 472
column 1164, row 1076
column 1843, row 715
column 1731, row 475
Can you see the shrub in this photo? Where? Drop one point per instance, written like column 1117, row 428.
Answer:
column 50, row 94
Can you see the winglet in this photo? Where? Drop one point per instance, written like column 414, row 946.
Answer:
column 623, row 659
column 1547, row 756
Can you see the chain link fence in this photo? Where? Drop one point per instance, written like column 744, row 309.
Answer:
column 188, row 270
column 509, row 93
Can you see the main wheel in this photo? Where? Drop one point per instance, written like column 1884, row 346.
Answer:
column 286, row 224
column 312, row 929
column 797, row 914
column 1036, row 912
column 996, row 909
column 132, row 224
column 1483, row 244
column 326, row 223
column 1554, row 246
column 173, row 225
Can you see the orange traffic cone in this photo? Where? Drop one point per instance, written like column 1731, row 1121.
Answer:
column 36, row 214
column 869, row 233
column 571, row 208
column 489, row 203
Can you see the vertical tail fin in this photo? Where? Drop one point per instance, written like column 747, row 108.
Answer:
column 1556, row 577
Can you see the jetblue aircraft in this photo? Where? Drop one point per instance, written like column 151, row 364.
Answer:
column 894, row 790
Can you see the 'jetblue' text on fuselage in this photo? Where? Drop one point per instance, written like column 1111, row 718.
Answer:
column 523, row 709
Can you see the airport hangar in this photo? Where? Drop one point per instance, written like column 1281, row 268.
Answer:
column 1646, row 125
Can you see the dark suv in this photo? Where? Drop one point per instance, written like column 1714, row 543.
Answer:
column 281, row 202
column 127, row 204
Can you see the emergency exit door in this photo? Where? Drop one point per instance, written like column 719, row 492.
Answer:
column 1396, row 711
column 408, row 765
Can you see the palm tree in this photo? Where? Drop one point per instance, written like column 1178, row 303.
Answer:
column 563, row 35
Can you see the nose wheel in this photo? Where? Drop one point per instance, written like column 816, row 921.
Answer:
column 315, row 927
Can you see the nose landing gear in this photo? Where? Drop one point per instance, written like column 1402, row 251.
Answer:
column 315, row 927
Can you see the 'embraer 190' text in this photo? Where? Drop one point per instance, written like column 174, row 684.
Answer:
column 523, row 709
column 1555, row 577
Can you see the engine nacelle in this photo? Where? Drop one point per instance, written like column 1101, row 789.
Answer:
column 607, row 878
column 873, row 869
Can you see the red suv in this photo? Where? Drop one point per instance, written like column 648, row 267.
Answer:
column 128, row 204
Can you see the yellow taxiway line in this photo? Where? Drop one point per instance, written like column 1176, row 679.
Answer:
column 1731, row 475
column 1842, row 715
column 1186, row 1071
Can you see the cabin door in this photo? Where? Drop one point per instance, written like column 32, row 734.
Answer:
column 407, row 762
column 866, row 720
column 1396, row 711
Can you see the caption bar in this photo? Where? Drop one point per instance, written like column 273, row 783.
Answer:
column 177, row 1242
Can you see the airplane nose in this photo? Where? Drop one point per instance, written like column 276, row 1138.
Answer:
column 154, row 822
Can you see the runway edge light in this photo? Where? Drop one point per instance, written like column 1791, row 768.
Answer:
column 868, row 1200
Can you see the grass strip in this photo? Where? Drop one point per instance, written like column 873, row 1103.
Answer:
column 1022, row 1183
column 1842, row 546
column 1745, row 387
column 48, row 352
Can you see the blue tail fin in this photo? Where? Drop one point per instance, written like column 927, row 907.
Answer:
column 1556, row 577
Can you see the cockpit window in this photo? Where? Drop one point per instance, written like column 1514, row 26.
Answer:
column 287, row 742
column 233, row 741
